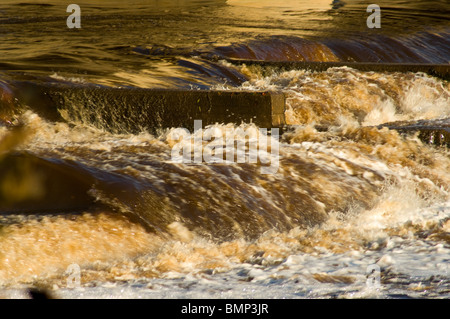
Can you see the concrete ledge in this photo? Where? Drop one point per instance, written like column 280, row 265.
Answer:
column 438, row 70
column 433, row 132
column 131, row 109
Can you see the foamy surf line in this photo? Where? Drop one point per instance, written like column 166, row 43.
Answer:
column 404, row 266
column 441, row 71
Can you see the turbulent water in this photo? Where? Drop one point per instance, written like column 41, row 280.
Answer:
column 91, row 211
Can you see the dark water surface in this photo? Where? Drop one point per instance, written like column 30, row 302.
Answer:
column 154, row 43
column 349, row 192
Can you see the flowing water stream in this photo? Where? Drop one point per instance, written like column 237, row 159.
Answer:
column 349, row 195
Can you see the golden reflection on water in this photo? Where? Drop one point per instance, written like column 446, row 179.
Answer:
column 341, row 190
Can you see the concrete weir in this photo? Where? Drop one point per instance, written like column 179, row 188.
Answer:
column 434, row 132
column 133, row 109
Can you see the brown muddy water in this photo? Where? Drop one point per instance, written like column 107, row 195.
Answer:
column 87, row 211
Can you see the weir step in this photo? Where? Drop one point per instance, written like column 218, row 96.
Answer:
column 133, row 109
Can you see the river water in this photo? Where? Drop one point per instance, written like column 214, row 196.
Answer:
column 354, row 209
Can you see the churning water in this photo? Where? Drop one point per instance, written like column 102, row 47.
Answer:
column 91, row 211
